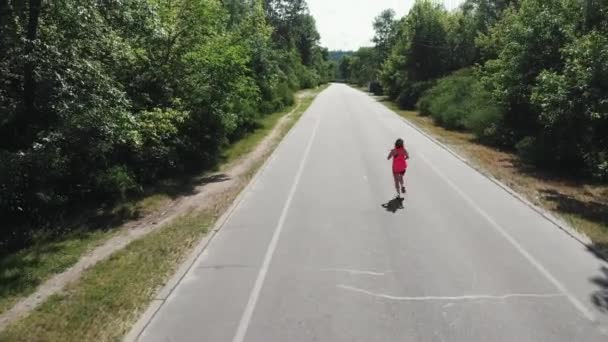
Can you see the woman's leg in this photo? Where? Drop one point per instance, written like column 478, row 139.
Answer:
column 396, row 178
column 401, row 181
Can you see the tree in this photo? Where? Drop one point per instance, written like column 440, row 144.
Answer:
column 420, row 53
column 527, row 41
column 364, row 66
column 345, row 68
column 385, row 27
column 100, row 98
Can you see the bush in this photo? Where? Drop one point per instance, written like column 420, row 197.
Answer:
column 117, row 181
column 459, row 102
column 485, row 116
column 449, row 101
column 309, row 79
column 375, row 88
column 573, row 106
column 285, row 95
column 530, row 151
column 408, row 98
column 424, row 103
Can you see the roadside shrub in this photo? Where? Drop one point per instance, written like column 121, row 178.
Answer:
column 375, row 88
column 530, row 150
column 408, row 98
column 449, row 102
column 285, row 95
column 117, row 181
column 309, row 79
column 458, row 101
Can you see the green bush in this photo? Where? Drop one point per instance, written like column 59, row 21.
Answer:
column 284, row 95
column 531, row 151
column 117, row 181
column 309, row 79
column 573, row 106
column 459, row 102
column 375, row 88
column 448, row 102
column 408, row 97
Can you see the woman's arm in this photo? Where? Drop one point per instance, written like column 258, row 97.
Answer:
column 407, row 154
column 390, row 154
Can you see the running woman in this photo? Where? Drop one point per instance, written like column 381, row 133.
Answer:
column 400, row 157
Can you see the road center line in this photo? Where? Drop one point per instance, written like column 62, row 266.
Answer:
column 577, row 303
column 259, row 282
column 451, row 298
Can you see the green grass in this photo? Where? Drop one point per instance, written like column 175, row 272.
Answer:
column 22, row 272
column 103, row 304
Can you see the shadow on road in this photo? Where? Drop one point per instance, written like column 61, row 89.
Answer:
column 393, row 205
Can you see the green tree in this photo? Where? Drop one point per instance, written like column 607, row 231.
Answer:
column 528, row 41
column 364, row 66
column 99, row 98
column 420, row 53
column 385, row 28
column 573, row 108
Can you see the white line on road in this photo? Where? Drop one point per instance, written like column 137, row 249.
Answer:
column 577, row 303
column 259, row 282
column 351, row 271
column 451, row 298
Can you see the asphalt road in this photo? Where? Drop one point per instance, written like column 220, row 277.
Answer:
column 310, row 253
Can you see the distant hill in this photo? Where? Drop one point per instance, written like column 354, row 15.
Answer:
column 337, row 55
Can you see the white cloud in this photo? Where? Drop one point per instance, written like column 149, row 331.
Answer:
column 347, row 24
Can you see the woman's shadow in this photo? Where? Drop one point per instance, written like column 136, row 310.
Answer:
column 394, row 205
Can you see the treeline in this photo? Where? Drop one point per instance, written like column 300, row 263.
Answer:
column 100, row 97
column 528, row 75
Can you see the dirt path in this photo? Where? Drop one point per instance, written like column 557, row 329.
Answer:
column 210, row 193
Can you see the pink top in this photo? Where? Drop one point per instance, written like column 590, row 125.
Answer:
column 399, row 160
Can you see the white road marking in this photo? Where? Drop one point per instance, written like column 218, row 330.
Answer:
column 259, row 282
column 577, row 303
column 354, row 272
column 451, row 298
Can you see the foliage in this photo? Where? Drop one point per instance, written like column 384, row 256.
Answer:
column 549, row 74
column 419, row 54
column 533, row 75
column 573, row 106
column 336, row 56
column 385, row 27
column 99, row 98
column 458, row 101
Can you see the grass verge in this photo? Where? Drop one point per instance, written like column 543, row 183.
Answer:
column 583, row 205
column 23, row 271
column 109, row 297
column 100, row 305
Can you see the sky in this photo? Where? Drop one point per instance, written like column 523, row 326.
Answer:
column 347, row 24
